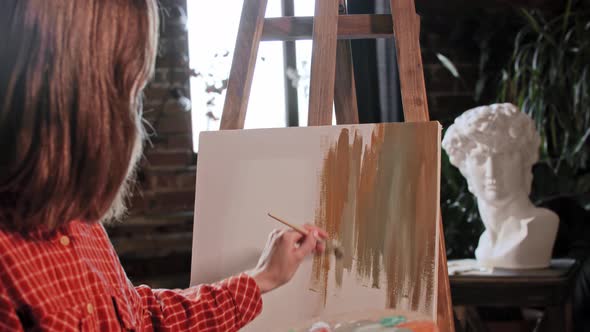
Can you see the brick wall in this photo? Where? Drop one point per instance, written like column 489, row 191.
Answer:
column 462, row 32
column 167, row 176
column 154, row 243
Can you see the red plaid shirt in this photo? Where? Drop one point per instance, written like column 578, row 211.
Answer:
column 74, row 281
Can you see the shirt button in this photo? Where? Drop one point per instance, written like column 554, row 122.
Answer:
column 90, row 308
column 64, row 240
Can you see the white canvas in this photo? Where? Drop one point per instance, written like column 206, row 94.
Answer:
column 244, row 174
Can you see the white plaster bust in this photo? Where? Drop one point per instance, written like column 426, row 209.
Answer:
column 495, row 147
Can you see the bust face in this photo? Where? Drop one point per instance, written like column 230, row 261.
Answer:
column 494, row 177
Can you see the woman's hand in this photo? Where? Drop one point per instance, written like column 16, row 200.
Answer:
column 284, row 252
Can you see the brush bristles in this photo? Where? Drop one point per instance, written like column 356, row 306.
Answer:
column 338, row 252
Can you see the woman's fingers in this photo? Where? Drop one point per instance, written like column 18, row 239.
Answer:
column 322, row 234
column 308, row 245
column 322, row 237
column 315, row 235
column 320, row 247
column 292, row 237
column 302, row 245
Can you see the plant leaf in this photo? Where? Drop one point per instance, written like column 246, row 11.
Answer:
column 535, row 25
column 582, row 142
column 447, row 63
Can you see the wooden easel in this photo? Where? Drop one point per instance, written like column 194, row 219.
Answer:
column 332, row 78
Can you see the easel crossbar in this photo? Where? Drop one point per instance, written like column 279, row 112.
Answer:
column 361, row 26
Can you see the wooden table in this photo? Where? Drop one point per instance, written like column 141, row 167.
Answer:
column 549, row 289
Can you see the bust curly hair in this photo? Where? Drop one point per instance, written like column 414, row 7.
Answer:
column 499, row 128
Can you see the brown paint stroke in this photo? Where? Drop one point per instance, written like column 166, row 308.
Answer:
column 369, row 202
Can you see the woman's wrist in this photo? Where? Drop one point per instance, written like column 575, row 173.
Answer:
column 263, row 280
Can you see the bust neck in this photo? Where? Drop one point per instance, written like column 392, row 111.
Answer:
column 501, row 211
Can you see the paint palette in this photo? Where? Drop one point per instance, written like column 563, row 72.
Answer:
column 369, row 321
column 383, row 325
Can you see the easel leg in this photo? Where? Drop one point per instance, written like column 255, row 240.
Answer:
column 445, row 306
column 345, row 102
column 244, row 61
column 323, row 63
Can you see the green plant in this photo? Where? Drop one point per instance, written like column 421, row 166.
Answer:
column 549, row 78
column 462, row 224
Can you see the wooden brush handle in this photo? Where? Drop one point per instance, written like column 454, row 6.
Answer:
column 299, row 229
column 331, row 246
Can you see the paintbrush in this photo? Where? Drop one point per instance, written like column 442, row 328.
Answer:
column 334, row 245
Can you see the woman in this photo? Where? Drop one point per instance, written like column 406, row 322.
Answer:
column 71, row 76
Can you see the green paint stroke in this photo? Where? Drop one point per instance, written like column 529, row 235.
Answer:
column 392, row 321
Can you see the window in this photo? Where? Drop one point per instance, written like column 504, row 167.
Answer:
column 213, row 28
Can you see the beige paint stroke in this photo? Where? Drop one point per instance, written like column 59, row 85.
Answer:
column 371, row 203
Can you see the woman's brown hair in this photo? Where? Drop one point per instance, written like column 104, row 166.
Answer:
column 71, row 75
